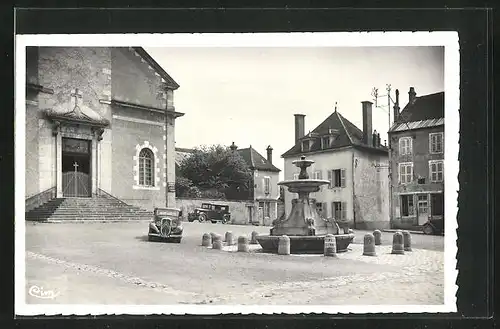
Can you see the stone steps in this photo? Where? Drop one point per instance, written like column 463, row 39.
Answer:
column 97, row 208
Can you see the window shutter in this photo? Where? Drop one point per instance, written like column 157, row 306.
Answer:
column 344, row 210
column 330, row 178
column 323, row 209
column 342, row 178
column 410, row 145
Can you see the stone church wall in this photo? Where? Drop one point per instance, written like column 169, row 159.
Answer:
column 101, row 74
column 130, row 131
column 134, row 81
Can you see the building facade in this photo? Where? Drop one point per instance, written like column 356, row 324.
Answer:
column 99, row 120
column 264, row 190
column 353, row 161
column 417, row 161
column 262, row 197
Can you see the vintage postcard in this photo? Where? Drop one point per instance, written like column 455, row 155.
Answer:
column 236, row 173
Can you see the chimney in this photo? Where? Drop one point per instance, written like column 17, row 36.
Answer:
column 367, row 123
column 378, row 140
column 412, row 95
column 299, row 127
column 233, row 147
column 270, row 154
column 396, row 107
column 374, row 139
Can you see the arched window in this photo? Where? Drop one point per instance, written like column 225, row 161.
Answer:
column 146, row 167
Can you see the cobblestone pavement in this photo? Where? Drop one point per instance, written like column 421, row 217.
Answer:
column 111, row 263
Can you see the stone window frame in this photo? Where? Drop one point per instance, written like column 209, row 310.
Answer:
column 156, row 169
column 431, row 137
column 342, row 211
column 146, row 155
column 405, row 164
column 337, row 182
column 408, row 148
column 436, row 172
column 267, row 184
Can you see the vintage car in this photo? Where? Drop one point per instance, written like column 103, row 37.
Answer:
column 166, row 226
column 210, row 212
column 434, row 226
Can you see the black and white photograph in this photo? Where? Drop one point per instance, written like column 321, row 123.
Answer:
column 236, row 173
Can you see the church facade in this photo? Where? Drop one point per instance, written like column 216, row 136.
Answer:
column 99, row 121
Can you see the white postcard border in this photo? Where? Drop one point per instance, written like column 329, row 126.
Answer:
column 344, row 39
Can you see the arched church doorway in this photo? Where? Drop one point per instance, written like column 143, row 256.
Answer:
column 76, row 168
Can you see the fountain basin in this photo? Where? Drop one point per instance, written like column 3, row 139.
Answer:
column 305, row 244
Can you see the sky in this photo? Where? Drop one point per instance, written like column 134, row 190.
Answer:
column 249, row 95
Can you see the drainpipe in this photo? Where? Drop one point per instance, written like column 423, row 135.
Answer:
column 353, row 194
column 389, row 174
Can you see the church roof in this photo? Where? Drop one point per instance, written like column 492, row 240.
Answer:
column 168, row 79
column 344, row 131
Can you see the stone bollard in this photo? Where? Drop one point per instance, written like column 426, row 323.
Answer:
column 229, row 238
column 284, row 245
column 407, row 241
column 253, row 240
column 217, row 242
column 397, row 244
column 330, row 249
column 369, row 245
column 243, row 244
column 206, row 240
column 378, row 237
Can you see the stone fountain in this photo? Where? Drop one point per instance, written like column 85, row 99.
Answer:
column 304, row 226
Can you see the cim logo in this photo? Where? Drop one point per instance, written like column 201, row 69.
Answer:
column 39, row 292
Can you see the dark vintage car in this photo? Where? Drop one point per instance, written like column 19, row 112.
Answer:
column 211, row 212
column 166, row 226
column 435, row 225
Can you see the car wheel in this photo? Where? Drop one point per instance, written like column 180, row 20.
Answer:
column 428, row 230
column 202, row 218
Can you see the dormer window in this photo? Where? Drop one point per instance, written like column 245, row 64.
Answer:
column 306, row 145
column 325, row 142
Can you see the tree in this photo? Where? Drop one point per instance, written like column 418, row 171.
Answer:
column 212, row 168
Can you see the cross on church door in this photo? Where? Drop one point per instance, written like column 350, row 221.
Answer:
column 76, row 168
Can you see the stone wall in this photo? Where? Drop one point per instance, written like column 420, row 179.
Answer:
column 371, row 191
column 130, row 135
column 100, row 74
column 134, row 80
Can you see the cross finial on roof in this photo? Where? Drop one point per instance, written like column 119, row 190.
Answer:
column 76, row 95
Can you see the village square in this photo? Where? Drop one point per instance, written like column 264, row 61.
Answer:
column 118, row 211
